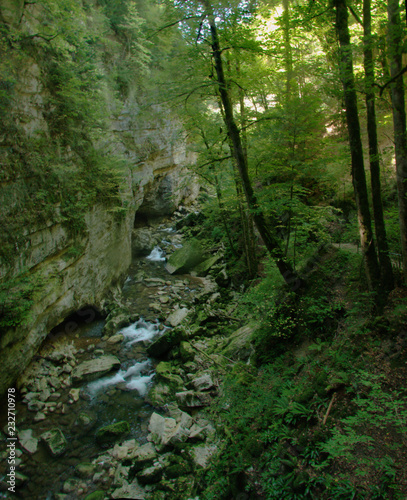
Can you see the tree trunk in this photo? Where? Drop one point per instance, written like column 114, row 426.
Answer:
column 386, row 271
column 287, row 272
column 358, row 170
column 394, row 46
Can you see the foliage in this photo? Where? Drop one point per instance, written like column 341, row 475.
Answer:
column 16, row 299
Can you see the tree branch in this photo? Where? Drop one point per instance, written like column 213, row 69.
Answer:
column 395, row 77
column 169, row 25
column 355, row 15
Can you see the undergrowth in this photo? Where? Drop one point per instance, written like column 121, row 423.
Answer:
column 321, row 412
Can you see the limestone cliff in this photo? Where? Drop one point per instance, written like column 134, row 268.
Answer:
column 67, row 210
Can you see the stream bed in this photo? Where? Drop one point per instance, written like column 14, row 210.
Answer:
column 80, row 409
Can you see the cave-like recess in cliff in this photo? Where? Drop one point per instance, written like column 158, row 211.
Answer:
column 86, row 315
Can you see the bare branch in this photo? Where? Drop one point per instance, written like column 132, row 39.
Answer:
column 169, row 25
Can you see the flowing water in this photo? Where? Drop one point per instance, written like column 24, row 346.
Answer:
column 113, row 398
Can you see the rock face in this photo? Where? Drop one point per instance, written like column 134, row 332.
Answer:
column 76, row 271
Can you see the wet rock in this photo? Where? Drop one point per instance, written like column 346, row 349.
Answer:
column 113, row 432
column 28, row 441
column 143, row 241
column 30, row 396
column 186, row 258
column 55, row 441
column 177, row 317
column 55, row 396
column 95, row 368
column 164, row 343
column 222, row 278
column 115, row 322
column 115, row 339
column 85, row 420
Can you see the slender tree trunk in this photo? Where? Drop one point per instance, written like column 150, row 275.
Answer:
column 358, row 170
column 247, row 221
column 286, row 270
column 386, row 271
column 288, row 57
column 223, row 214
column 394, row 45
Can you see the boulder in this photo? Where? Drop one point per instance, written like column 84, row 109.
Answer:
column 176, row 317
column 95, row 368
column 161, row 429
column 204, row 267
column 164, row 371
column 203, row 383
column 159, row 394
column 187, row 352
column 143, row 241
column 165, row 431
column 143, row 456
column 115, row 339
column 113, row 432
column 186, row 258
column 238, row 346
column 164, row 343
column 115, row 321
column 55, row 441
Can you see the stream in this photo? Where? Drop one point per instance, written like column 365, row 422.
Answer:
column 150, row 293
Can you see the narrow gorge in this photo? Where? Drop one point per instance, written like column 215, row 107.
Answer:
column 202, row 250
